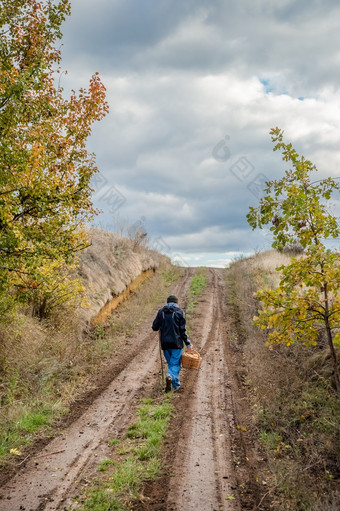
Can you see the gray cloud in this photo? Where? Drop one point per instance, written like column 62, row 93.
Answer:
column 288, row 42
column 182, row 77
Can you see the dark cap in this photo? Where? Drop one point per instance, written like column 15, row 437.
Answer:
column 172, row 299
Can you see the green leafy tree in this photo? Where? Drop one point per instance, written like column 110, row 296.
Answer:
column 306, row 303
column 45, row 169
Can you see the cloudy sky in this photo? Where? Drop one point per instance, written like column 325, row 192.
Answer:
column 194, row 86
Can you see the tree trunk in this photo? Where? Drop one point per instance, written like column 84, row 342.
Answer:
column 330, row 342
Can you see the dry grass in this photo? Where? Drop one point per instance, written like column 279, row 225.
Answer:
column 295, row 410
column 109, row 265
column 264, row 264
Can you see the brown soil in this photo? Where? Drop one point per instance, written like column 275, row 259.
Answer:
column 209, row 459
column 113, row 304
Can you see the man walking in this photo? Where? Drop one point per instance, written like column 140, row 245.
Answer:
column 170, row 320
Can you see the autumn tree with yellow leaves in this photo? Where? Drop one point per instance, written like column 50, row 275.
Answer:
column 45, row 169
column 306, row 304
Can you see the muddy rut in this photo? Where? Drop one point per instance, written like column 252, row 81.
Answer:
column 199, row 473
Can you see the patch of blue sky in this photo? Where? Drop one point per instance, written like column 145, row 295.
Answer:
column 267, row 86
column 274, row 86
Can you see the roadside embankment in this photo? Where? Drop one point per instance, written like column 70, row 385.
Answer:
column 111, row 267
column 294, row 413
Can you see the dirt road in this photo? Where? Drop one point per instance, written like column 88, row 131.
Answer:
column 199, row 472
column 202, row 464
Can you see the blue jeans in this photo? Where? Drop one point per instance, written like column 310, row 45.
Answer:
column 173, row 358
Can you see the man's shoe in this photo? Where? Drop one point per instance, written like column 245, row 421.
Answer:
column 168, row 384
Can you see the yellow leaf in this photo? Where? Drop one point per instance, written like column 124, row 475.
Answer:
column 16, row 452
column 242, row 428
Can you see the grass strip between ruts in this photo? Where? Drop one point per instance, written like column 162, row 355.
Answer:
column 134, row 460
column 197, row 286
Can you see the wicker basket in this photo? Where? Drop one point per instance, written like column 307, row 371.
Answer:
column 191, row 359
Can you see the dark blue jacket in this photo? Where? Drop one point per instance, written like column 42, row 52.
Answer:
column 170, row 320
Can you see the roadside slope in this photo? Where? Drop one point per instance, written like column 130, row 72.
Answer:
column 109, row 265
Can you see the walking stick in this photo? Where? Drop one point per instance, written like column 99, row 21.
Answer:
column 160, row 354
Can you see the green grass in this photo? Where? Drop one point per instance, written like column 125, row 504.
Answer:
column 104, row 464
column 147, row 400
column 140, row 461
column 20, row 431
column 102, row 500
column 191, row 306
column 34, row 421
column 114, row 441
column 172, row 274
column 270, row 439
column 198, row 283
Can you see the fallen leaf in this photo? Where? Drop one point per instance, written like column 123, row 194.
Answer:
column 16, row 452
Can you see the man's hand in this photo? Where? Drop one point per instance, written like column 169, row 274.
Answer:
column 190, row 347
